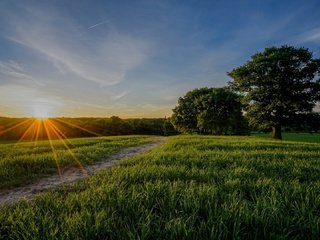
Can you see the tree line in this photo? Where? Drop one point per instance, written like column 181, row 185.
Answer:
column 17, row 128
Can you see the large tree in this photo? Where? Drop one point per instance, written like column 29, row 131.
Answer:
column 280, row 86
column 209, row 111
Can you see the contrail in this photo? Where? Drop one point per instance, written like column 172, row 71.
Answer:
column 98, row 24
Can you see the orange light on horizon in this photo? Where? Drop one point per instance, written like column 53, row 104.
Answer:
column 41, row 127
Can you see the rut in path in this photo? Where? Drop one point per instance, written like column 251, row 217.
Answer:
column 71, row 174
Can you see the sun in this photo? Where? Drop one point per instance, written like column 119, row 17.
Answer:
column 41, row 111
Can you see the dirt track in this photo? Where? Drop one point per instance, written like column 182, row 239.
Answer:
column 71, row 174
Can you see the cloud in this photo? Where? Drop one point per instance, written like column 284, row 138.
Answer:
column 104, row 59
column 311, row 36
column 14, row 72
column 120, row 95
column 97, row 24
column 12, row 69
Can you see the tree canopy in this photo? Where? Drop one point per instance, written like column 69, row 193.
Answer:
column 280, row 87
column 209, row 111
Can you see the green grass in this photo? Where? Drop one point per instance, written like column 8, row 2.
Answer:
column 26, row 162
column 191, row 187
column 2, row 141
column 296, row 137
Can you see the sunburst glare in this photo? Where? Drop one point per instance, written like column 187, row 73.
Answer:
column 41, row 127
column 42, row 111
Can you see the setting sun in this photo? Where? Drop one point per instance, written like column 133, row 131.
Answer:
column 41, row 111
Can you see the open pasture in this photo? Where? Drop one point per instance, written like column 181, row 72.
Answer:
column 191, row 187
column 24, row 162
column 295, row 137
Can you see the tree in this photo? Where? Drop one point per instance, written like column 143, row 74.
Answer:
column 279, row 86
column 209, row 111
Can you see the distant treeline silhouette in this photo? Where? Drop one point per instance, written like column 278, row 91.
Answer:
column 32, row 128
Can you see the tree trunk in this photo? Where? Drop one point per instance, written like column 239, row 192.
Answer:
column 276, row 132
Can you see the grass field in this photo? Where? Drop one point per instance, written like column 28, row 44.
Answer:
column 191, row 187
column 296, row 137
column 25, row 162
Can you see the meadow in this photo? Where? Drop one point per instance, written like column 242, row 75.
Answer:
column 190, row 187
column 24, row 162
column 295, row 137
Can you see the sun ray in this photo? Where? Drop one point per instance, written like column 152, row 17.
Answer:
column 32, row 125
column 60, row 136
column 25, row 133
column 59, row 131
column 15, row 126
column 37, row 132
column 52, row 147
column 76, row 126
column 34, row 128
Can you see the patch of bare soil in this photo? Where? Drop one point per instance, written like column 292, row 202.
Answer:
column 71, row 174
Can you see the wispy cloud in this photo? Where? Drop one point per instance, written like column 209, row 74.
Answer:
column 120, row 95
column 312, row 36
column 12, row 69
column 97, row 24
column 103, row 59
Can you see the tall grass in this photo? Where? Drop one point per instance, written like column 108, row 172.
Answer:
column 296, row 137
column 25, row 162
column 191, row 187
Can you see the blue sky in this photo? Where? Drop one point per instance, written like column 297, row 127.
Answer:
column 135, row 58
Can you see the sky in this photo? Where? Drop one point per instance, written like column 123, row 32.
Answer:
column 135, row 58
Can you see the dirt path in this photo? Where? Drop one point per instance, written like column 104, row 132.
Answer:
column 71, row 174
